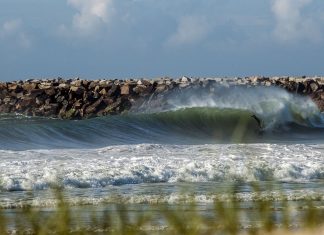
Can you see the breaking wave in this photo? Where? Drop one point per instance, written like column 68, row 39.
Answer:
column 193, row 117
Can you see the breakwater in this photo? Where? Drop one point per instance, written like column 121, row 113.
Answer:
column 78, row 98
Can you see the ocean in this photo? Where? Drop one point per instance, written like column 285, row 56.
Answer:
column 196, row 144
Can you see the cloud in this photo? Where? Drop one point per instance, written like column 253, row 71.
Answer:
column 13, row 30
column 10, row 27
column 291, row 24
column 90, row 16
column 190, row 30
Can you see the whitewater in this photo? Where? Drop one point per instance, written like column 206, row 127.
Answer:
column 198, row 140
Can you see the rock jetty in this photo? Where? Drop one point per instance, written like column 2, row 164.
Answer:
column 78, row 98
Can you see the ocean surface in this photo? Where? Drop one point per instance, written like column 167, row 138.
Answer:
column 197, row 143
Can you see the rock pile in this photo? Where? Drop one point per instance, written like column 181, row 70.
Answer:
column 77, row 99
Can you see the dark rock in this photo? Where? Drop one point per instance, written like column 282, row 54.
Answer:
column 78, row 104
column 3, row 86
column 26, row 101
column 93, row 107
column 60, row 99
column 93, row 84
column 114, row 90
column 68, row 114
column 35, row 92
column 50, row 91
column 300, row 88
column 143, row 89
column 5, row 108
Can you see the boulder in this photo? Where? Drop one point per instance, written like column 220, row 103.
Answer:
column 3, row 86
column 76, row 83
column 124, row 90
column 64, row 86
column 5, row 108
column 185, row 79
column 114, row 90
column 78, row 104
column 93, row 107
column 35, row 92
column 50, row 91
column 300, row 88
column 161, row 88
column 313, row 86
column 45, row 85
column 77, row 89
column 103, row 92
column 69, row 114
column 12, row 86
column 29, row 86
column 143, row 89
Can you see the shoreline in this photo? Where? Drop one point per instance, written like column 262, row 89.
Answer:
column 81, row 98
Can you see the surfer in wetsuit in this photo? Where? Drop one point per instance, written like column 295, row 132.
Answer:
column 259, row 122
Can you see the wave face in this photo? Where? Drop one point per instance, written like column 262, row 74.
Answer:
column 218, row 115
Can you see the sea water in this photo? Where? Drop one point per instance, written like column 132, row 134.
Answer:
column 195, row 144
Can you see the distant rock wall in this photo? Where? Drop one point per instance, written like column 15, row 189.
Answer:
column 78, row 99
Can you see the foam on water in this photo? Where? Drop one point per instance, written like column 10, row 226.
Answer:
column 148, row 163
column 171, row 193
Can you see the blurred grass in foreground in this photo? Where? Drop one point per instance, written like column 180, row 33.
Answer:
column 222, row 217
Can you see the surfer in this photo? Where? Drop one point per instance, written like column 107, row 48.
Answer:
column 258, row 121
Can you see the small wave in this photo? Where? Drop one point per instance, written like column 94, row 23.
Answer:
column 47, row 200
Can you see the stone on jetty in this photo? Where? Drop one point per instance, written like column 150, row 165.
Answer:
column 78, row 99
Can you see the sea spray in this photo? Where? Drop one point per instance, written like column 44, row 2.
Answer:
column 273, row 105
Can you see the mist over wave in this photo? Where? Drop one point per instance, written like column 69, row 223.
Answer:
column 273, row 105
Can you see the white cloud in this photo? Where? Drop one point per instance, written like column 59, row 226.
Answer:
column 11, row 27
column 90, row 16
column 190, row 30
column 13, row 30
column 291, row 24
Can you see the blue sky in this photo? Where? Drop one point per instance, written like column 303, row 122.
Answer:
column 151, row 38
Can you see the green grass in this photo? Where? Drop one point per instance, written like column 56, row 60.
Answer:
column 221, row 217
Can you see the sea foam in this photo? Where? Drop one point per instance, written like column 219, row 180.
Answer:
column 148, row 163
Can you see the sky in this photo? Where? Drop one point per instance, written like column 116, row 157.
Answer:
column 97, row 39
